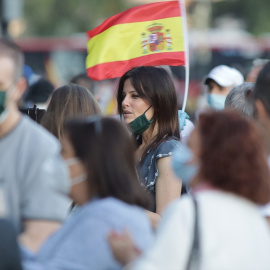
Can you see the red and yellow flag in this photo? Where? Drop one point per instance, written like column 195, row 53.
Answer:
column 144, row 35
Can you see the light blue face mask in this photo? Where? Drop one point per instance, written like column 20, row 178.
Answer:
column 180, row 163
column 216, row 101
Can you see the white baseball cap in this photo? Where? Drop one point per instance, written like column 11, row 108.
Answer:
column 225, row 76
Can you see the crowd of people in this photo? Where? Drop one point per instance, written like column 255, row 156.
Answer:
column 144, row 190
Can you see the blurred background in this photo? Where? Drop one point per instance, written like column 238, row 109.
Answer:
column 52, row 35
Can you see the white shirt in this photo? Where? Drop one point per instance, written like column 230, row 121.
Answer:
column 233, row 235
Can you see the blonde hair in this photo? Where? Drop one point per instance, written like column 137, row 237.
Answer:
column 67, row 102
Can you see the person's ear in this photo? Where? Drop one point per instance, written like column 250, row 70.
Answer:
column 261, row 111
column 21, row 86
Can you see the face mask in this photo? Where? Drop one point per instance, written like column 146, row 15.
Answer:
column 3, row 111
column 140, row 124
column 216, row 101
column 181, row 165
column 2, row 101
column 78, row 179
column 3, row 98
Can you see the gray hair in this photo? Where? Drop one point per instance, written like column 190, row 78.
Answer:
column 241, row 99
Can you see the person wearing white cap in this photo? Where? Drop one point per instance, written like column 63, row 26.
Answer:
column 220, row 81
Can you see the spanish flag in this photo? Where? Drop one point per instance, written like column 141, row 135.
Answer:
column 146, row 35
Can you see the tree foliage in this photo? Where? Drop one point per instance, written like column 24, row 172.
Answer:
column 66, row 17
column 254, row 13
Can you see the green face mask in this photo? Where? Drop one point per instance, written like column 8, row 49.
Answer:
column 140, row 124
column 2, row 101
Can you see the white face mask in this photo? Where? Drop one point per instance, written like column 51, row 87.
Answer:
column 78, row 179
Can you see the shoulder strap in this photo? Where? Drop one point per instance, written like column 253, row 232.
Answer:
column 194, row 255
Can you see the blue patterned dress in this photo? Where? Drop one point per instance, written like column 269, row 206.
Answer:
column 147, row 168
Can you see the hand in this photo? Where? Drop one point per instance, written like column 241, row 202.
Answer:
column 182, row 118
column 123, row 247
column 154, row 218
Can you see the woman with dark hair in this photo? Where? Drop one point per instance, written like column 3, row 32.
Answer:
column 221, row 226
column 147, row 101
column 104, row 184
column 68, row 101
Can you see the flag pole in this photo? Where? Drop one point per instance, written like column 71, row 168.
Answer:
column 186, row 49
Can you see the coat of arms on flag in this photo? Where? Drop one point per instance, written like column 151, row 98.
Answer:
column 156, row 39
